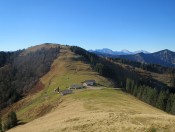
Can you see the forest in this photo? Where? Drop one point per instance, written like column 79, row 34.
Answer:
column 148, row 67
column 160, row 98
column 20, row 72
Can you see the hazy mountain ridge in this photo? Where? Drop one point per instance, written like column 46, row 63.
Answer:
column 122, row 52
column 163, row 57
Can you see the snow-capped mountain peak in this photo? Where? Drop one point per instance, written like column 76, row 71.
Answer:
column 141, row 51
column 122, row 52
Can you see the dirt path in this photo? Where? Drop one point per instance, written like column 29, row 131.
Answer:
column 99, row 88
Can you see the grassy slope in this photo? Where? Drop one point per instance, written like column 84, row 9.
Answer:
column 104, row 110
column 67, row 69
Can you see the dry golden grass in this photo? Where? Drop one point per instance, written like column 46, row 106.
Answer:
column 101, row 111
column 38, row 47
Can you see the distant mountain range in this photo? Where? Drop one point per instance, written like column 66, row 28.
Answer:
column 163, row 57
column 122, row 52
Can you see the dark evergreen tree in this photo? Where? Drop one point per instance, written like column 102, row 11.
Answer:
column 170, row 103
column 153, row 94
column 135, row 92
column 173, row 105
column 1, row 125
column 162, row 100
column 99, row 68
column 172, row 81
column 11, row 120
column 128, row 85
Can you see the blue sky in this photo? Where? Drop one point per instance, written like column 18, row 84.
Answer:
column 91, row 24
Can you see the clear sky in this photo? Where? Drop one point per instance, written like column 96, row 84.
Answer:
column 91, row 24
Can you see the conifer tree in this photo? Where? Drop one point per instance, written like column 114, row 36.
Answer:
column 1, row 125
column 12, row 120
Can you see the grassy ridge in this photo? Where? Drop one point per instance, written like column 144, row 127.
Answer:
column 113, row 100
column 102, row 110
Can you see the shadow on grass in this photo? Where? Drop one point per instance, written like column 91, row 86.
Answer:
column 20, row 123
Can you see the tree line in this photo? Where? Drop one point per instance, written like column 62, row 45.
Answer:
column 148, row 67
column 160, row 98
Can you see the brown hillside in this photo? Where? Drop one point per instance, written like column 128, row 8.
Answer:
column 67, row 69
